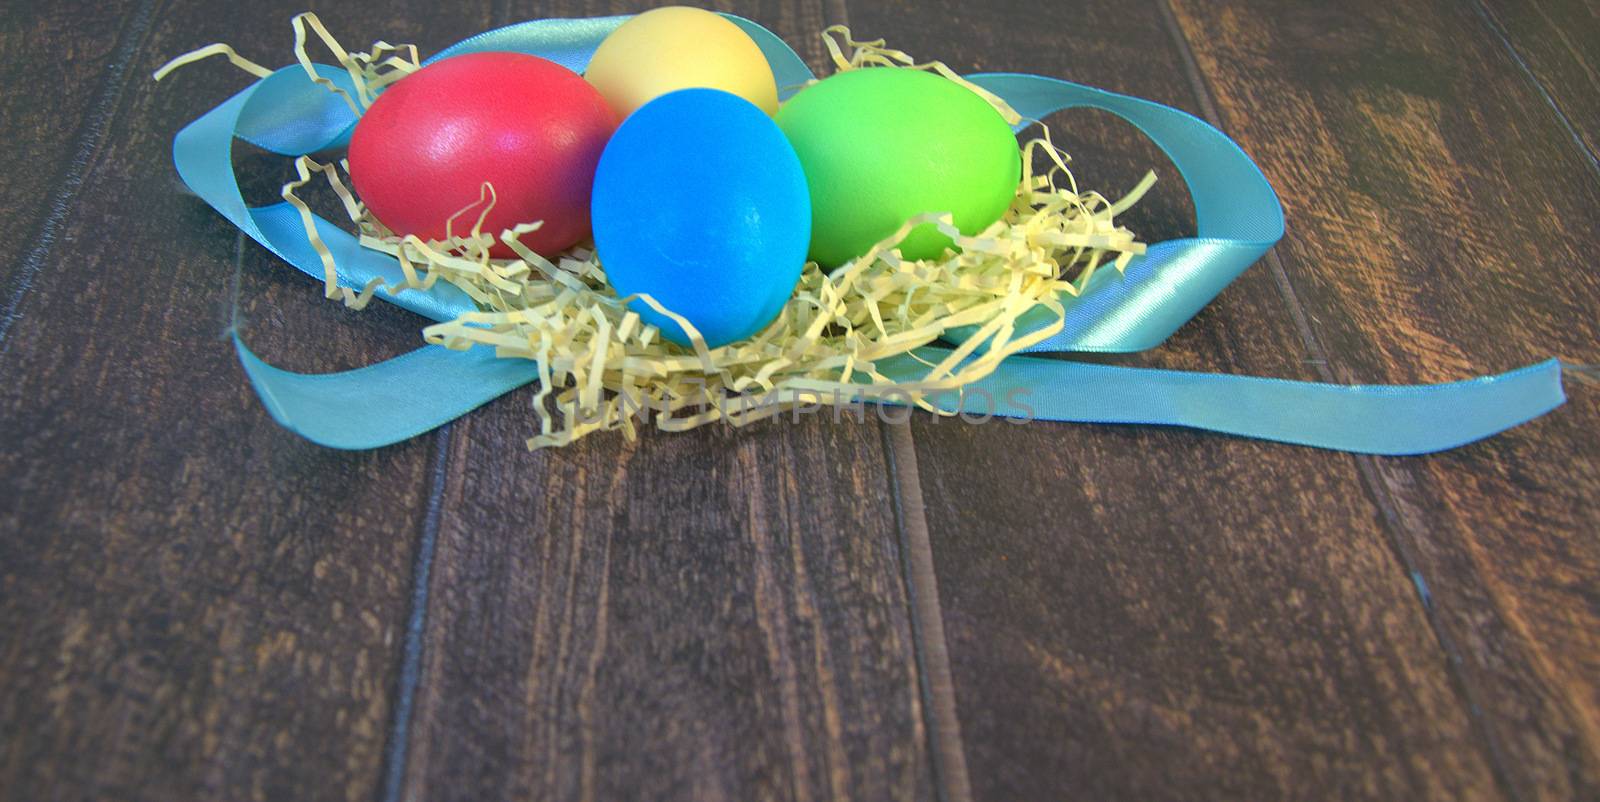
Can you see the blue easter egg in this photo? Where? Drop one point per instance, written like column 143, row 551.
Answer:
column 700, row 201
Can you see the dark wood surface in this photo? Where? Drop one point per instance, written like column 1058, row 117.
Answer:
column 195, row 604
column 1557, row 43
column 1438, row 155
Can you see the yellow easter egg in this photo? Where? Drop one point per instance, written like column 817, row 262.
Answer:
column 672, row 48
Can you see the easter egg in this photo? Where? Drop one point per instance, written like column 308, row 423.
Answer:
column 671, row 48
column 881, row 145
column 700, row 202
column 530, row 127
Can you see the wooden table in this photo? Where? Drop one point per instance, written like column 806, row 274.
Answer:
column 196, row 604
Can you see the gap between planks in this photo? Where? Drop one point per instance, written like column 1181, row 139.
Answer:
column 1377, row 486
column 397, row 748
column 946, row 753
column 95, row 126
column 1493, row 24
column 396, row 753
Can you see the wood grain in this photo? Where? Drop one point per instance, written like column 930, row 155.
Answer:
column 197, row 603
column 1154, row 614
column 1558, row 42
column 718, row 614
column 710, row 616
column 1443, row 224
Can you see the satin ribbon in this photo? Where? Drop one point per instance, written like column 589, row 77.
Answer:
column 1237, row 214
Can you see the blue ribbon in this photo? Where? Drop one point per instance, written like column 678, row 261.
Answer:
column 1237, row 213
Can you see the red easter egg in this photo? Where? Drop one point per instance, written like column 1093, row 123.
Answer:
column 530, row 127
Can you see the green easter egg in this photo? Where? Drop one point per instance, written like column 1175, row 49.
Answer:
column 881, row 145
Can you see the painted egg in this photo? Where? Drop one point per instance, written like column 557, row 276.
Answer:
column 673, row 48
column 530, row 127
column 700, row 202
column 883, row 144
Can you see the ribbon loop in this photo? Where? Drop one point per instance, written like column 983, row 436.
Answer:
column 1237, row 215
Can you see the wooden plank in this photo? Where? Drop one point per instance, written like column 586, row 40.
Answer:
column 1442, row 224
column 65, row 71
column 1558, row 43
column 198, row 603
column 1148, row 613
column 717, row 614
